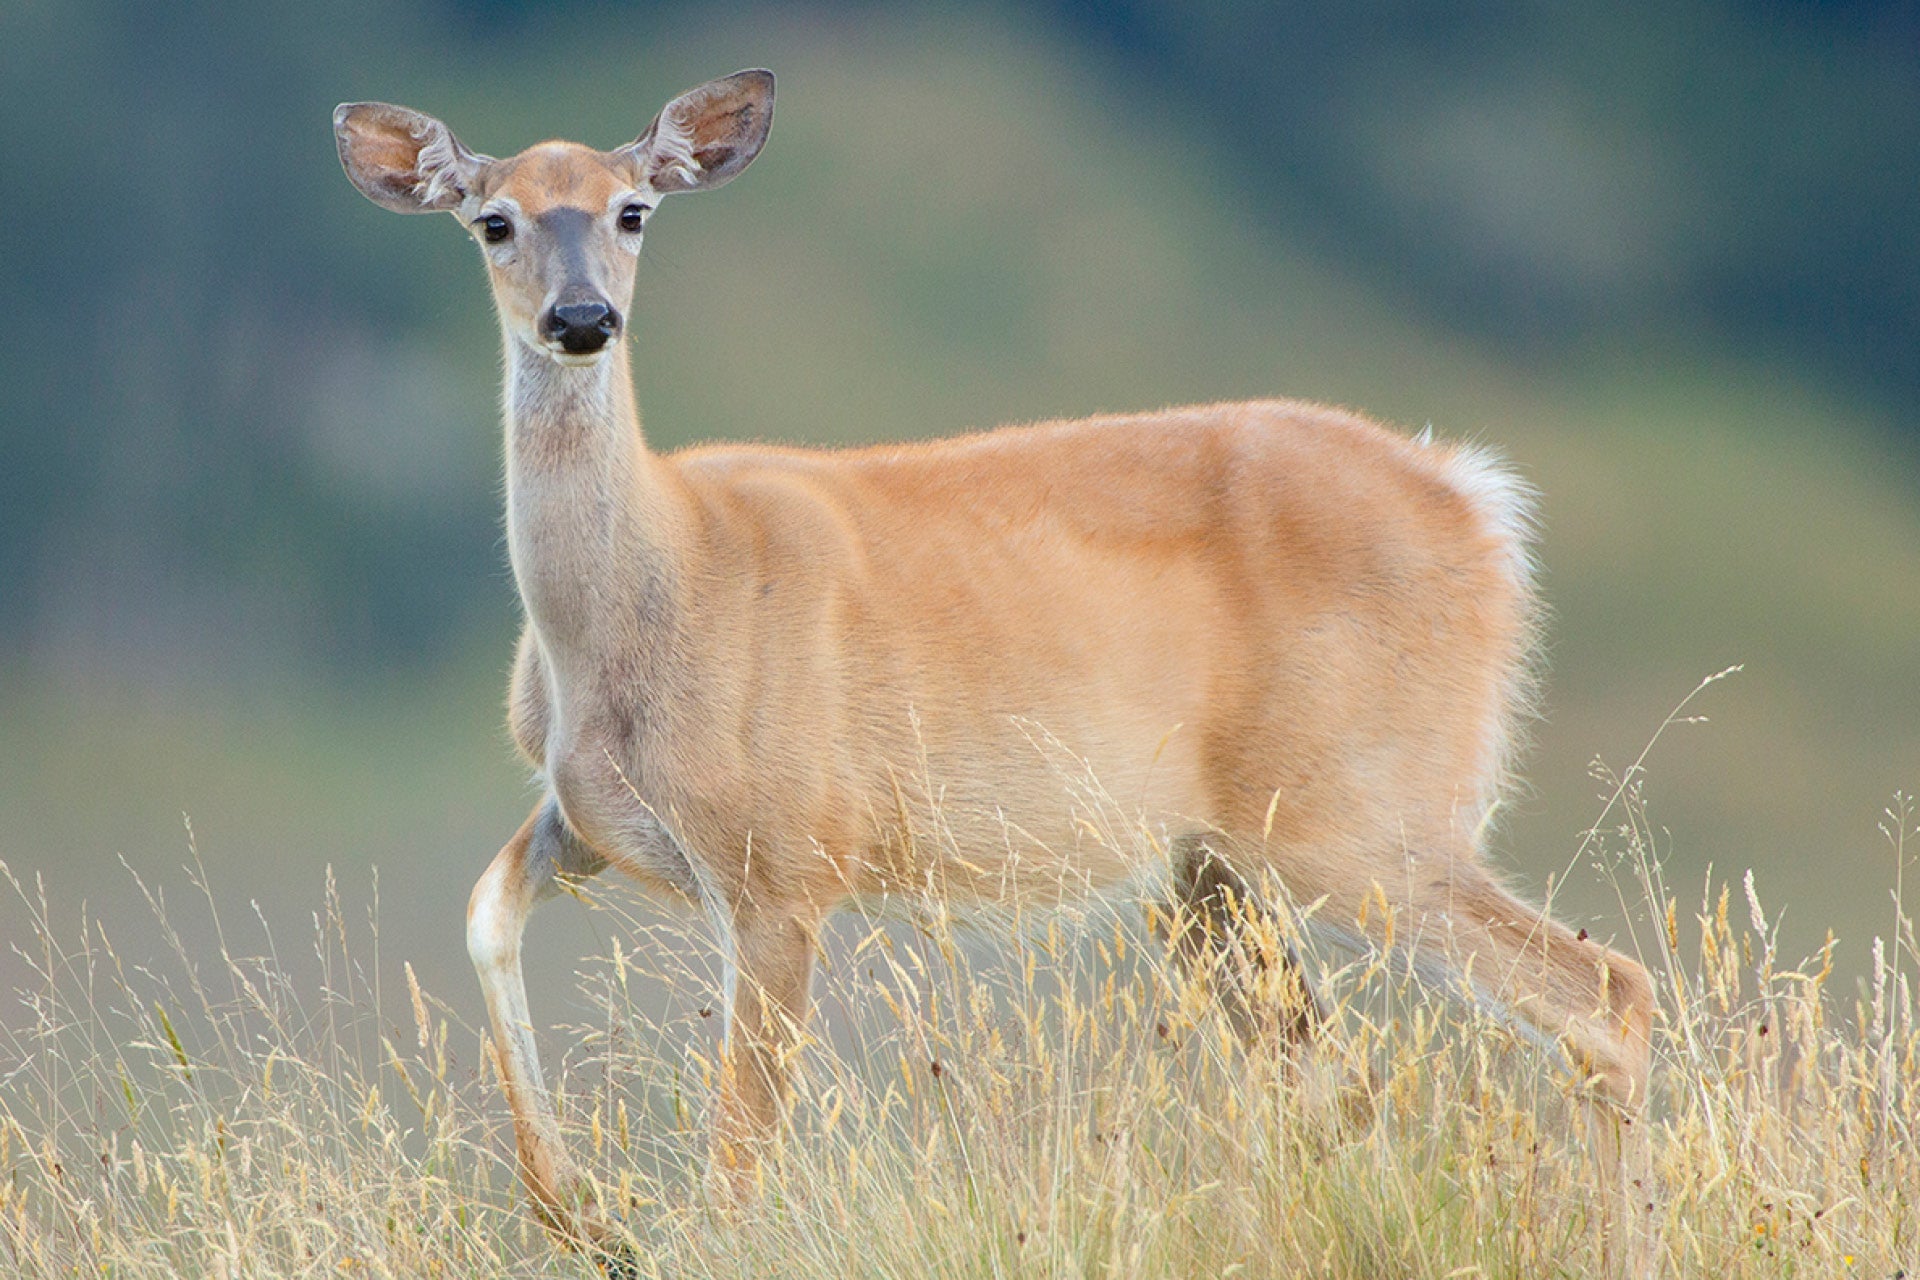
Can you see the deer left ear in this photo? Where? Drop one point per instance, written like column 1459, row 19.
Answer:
column 706, row 136
column 404, row 160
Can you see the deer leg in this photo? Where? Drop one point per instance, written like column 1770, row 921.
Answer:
column 1228, row 934
column 1596, row 1001
column 769, row 972
column 522, row 875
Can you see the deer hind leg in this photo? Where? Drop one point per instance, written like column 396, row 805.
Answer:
column 1231, row 935
column 1227, row 933
column 522, row 875
column 1595, row 1001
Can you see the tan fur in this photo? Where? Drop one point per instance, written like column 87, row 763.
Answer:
column 748, row 671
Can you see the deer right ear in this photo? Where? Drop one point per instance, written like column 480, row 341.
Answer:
column 403, row 160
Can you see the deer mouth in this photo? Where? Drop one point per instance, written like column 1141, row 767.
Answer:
column 574, row 359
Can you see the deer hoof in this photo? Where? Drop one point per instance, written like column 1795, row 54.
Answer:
column 619, row 1262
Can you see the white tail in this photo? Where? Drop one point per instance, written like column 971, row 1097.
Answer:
column 1295, row 642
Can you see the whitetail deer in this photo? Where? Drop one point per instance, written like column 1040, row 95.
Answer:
column 1296, row 641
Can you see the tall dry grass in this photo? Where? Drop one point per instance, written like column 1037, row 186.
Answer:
column 1045, row 1094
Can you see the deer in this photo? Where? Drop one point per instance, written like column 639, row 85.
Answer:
column 1302, row 643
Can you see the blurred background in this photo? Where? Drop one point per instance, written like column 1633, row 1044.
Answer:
column 1664, row 255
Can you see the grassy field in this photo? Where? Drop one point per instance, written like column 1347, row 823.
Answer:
column 1038, row 1095
column 300, row 1090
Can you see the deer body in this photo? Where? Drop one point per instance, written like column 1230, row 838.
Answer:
column 1289, row 642
column 1166, row 596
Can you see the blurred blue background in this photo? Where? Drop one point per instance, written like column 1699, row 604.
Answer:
column 1665, row 256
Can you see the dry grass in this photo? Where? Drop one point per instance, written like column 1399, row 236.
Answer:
column 1045, row 1096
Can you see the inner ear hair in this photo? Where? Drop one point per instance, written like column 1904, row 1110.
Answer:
column 402, row 159
column 706, row 136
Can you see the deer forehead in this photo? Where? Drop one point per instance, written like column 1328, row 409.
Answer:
column 559, row 174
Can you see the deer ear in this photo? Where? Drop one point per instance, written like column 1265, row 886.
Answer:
column 403, row 160
column 705, row 136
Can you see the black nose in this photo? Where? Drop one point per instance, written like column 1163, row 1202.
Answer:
column 581, row 327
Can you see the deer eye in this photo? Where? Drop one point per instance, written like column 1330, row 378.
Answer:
column 633, row 217
column 495, row 229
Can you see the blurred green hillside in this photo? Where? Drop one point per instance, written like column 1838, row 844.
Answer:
column 250, row 565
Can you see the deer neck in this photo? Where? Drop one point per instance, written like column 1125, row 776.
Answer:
column 592, row 518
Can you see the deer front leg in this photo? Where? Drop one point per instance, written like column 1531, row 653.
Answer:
column 521, row 875
column 769, row 972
